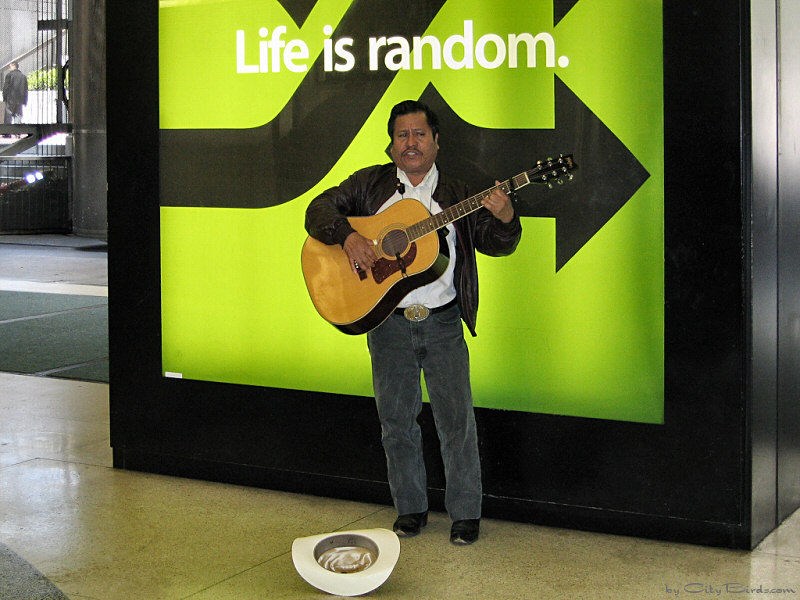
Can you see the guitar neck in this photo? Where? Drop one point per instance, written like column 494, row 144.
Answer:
column 541, row 173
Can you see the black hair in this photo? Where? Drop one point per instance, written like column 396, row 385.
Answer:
column 407, row 107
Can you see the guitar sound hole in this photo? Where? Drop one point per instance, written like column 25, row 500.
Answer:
column 395, row 242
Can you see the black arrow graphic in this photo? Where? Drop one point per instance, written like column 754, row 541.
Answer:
column 299, row 9
column 270, row 165
column 561, row 8
column 275, row 163
column 608, row 173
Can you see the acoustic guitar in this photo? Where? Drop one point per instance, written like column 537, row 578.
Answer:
column 408, row 250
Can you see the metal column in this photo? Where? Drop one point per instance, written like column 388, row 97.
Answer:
column 88, row 112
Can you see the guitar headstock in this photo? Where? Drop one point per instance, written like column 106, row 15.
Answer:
column 553, row 170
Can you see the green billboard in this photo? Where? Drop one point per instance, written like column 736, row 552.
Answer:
column 265, row 104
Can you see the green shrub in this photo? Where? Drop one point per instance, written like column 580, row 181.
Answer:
column 44, row 79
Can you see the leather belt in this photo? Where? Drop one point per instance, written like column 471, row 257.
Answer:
column 418, row 312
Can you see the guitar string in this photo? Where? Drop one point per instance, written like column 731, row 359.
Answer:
column 474, row 203
column 463, row 208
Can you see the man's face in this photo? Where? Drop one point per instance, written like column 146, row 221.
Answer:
column 414, row 146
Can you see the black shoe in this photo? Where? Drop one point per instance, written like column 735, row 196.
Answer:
column 465, row 532
column 409, row 525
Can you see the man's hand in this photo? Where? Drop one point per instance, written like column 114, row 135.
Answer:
column 499, row 204
column 360, row 251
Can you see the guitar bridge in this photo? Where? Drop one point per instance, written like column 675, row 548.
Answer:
column 385, row 267
column 402, row 264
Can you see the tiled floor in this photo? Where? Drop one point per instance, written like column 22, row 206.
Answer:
column 56, row 264
column 105, row 534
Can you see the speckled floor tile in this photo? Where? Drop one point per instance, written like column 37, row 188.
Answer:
column 105, row 534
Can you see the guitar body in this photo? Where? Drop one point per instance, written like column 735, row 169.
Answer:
column 357, row 303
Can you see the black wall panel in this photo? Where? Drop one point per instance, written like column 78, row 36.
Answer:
column 688, row 479
column 789, row 250
column 762, row 275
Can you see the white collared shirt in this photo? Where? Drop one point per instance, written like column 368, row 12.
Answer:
column 441, row 291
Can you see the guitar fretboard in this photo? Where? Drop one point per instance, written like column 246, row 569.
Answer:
column 543, row 172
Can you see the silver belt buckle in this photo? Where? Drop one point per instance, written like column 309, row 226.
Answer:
column 416, row 312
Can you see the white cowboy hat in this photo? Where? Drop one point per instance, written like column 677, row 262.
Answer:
column 347, row 563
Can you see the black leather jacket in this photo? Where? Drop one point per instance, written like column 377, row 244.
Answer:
column 366, row 190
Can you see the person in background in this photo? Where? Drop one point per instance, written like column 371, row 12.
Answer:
column 15, row 93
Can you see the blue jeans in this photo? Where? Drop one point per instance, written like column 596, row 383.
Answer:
column 400, row 351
